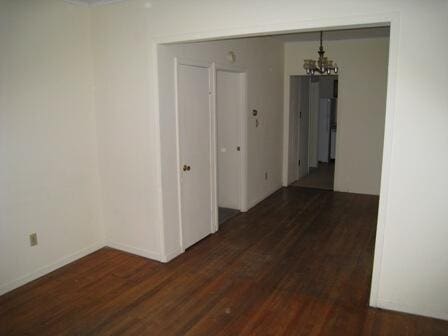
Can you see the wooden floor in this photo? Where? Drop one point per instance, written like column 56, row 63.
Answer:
column 299, row 263
column 321, row 177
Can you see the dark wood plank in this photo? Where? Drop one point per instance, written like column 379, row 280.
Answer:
column 299, row 263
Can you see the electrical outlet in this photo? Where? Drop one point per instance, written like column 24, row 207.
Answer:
column 266, row 175
column 33, row 239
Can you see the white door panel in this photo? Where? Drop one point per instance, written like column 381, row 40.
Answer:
column 194, row 120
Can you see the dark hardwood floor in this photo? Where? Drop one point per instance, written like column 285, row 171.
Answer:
column 299, row 263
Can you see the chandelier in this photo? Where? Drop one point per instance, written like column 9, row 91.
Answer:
column 323, row 65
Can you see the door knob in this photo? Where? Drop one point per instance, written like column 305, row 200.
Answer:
column 186, row 168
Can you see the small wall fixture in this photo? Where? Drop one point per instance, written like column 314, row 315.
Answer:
column 231, row 57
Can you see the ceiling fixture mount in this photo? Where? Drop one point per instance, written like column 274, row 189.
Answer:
column 322, row 66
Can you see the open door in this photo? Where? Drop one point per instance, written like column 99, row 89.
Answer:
column 195, row 151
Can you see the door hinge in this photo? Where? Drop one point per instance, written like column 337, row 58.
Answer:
column 300, row 115
column 299, row 162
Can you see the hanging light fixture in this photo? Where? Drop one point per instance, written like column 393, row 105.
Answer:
column 323, row 65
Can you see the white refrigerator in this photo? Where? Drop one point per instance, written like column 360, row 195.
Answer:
column 326, row 140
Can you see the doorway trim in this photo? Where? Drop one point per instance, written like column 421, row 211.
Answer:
column 243, row 133
column 209, row 66
column 391, row 18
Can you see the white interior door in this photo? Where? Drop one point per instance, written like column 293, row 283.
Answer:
column 229, row 102
column 195, row 155
column 303, row 117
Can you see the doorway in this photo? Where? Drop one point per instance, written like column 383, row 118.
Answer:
column 211, row 133
column 230, row 130
column 313, row 108
column 259, row 136
column 195, row 156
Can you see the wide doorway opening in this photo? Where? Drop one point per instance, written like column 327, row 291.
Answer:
column 313, row 112
column 266, row 124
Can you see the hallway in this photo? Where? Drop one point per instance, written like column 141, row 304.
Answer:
column 321, row 177
column 286, row 267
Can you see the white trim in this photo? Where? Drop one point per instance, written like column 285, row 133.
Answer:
column 93, row 4
column 158, row 144
column 420, row 310
column 243, row 130
column 387, row 159
column 214, row 155
column 268, row 193
column 135, row 250
column 77, row 2
column 192, row 62
column 206, row 65
column 178, row 163
column 343, row 22
column 229, row 68
column 41, row 271
column 171, row 255
column 212, row 137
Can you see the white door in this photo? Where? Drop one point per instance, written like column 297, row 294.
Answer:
column 229, row 100
column 303, row 114
column 194, row 120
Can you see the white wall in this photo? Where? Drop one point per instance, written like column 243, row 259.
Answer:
column 262, row 58
column 411, row 271
column 127, row 129
column 361, row 107
column 48, row 172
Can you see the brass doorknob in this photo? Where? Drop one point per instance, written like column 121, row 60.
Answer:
column 186, row 168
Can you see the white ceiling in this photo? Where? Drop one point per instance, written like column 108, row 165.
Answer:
column 336, row 34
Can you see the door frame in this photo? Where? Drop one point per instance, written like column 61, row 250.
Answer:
column 243, row 134
column 209, row 66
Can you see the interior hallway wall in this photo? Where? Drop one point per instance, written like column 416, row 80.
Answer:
column 127, row 130
column 48, row 152
column 361, row 106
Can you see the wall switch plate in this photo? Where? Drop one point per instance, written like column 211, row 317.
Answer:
column 33, row 239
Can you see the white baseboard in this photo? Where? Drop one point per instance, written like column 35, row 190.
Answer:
column 49, row 268
column 423, row 311
column 137, row 251
column 254, row 202
column 171, row 255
